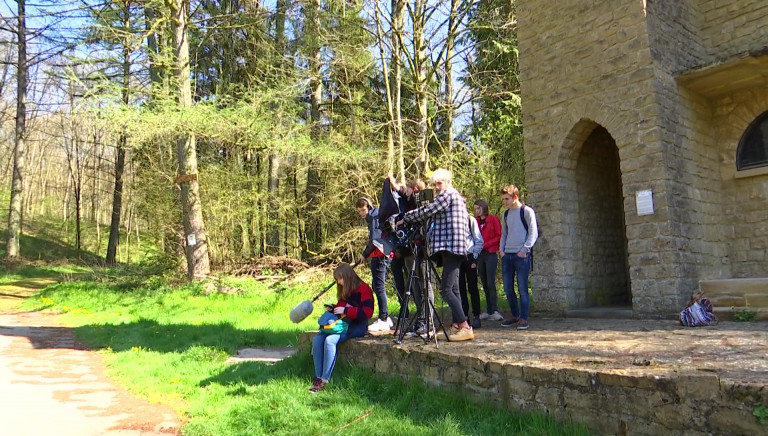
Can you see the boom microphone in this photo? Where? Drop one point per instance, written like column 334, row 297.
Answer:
column 302, row 310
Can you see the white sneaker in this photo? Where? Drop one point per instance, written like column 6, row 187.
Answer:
column 496, row 316
column 484, row 316
column 381, row 326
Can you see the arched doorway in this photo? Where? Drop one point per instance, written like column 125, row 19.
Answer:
column 603, row 261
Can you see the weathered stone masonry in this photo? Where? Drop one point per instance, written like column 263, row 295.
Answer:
column 672, row 85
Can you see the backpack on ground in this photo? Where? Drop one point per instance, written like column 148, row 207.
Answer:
column 698, row 312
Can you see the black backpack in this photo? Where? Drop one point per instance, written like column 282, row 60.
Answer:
column 525, row 224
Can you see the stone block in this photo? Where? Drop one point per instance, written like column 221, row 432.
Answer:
column 519, row 389
column 728, row 420
column 549, row 399
column 538, row 376
column 513, row 371
column 700, row 387
column 454, row 375
column 480, row 380
column 429, row 372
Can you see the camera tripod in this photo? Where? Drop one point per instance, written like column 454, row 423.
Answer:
column 423, row 274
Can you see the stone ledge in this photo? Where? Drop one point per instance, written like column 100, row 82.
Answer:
column 731, row 296
column 690, row 381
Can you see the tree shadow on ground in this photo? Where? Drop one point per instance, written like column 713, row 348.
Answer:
column 167, row 338
column 49, row 249
column 45, row 337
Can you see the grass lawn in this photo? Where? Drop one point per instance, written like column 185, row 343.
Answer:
column 169, row 344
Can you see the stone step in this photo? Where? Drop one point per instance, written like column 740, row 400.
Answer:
column 727, row 313
column 601, row 313
column 732, row 296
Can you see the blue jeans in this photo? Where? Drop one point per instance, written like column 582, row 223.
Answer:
column 511, row 265
column 324, row 348
column 379, row 274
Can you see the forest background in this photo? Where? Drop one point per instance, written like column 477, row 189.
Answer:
column 220, row 131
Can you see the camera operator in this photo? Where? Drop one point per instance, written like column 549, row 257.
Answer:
column 447, row 239
column 378, row 263
column 401, row 263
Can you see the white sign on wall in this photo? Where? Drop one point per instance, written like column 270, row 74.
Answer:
column 644, row 202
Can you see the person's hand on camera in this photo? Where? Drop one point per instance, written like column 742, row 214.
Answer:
column 361, row 260
column 400, row 223
column 339, row 310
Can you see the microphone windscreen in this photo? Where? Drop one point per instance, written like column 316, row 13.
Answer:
column 301, row 311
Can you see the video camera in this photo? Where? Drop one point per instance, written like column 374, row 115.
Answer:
column 423, row 197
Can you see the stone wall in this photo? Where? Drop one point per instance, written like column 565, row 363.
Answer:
column 732, row 28
column 743, row 206
column 692, row 233
column 575, row 78
column 607, row 402
column 590, row 64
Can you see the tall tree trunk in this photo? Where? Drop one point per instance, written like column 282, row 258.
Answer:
column 314, row 184
column 117, row 193
column 196, row 244
column 273, row 181
column 388, row 91
column 19, row 153
column 398, row 20
column 419, row 83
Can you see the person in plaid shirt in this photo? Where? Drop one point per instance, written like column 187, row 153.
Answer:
column 447, row 238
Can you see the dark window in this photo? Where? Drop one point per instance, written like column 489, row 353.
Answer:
column 753, row 147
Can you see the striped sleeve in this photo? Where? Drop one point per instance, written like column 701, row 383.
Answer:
column 359, row 304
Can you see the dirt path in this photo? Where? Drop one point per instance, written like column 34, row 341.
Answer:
column 52, row 385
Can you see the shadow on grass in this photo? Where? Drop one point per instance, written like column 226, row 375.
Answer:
column 166, row 338
column 409, row 401
column 49, row 249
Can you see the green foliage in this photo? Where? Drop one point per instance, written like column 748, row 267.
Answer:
column 51, row 240
column 169, row 344
column 745, row 315
column 761, row 413
column 496, row 134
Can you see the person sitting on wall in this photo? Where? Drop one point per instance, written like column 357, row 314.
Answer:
column 355, row 303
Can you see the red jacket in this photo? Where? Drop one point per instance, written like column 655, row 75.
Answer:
column 359, row 304
column 491, row 231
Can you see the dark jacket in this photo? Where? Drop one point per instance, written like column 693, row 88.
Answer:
column 374, row 232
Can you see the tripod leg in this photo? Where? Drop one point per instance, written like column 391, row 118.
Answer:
column 402, row 327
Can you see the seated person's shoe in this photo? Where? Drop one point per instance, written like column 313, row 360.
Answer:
column 318, row 386
column 462, row 335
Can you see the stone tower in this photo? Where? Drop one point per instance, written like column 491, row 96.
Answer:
column 638, row 116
